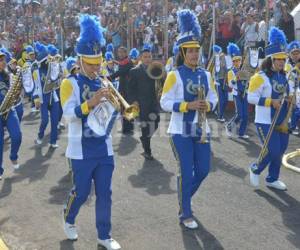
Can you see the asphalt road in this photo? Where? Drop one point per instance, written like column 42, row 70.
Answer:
column 231, row 214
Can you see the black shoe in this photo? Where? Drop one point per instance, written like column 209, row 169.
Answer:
column 127, row 132
column 148, row 156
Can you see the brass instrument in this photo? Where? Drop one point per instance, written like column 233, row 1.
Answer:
column 53, row 75
column 12, row 95
column 264, row 149
column 202, row 114
column 284, row 126
column 157, row 72
column 129, row 112
column 249, row 67
column 289, row 156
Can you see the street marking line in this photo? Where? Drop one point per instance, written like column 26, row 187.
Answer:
column 2, row 245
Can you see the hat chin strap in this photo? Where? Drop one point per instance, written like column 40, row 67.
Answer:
column 83, row 70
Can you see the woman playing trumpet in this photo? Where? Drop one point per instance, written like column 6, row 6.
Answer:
column 180, row 96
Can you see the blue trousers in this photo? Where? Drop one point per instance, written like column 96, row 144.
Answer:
column 223, row 99
column 295, row 118
column 54, row 112
column 100, row 171
column 194, row 163
column 277, row 145
column 60, row 111
column 241, row 113
column 13, row 127
column 20, row 111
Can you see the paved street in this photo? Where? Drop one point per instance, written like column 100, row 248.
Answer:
column 231, row 214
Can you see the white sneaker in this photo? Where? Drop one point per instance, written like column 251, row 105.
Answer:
column 277, row 185
column 228, row 131
column 16, row 166
column 190, row 224
column 295, row 132
column 34, row 110
column 254, row 178
column 221, row 120
column 70, row 231
column 53, row 145
column 38, row 141
column 244, row 136
column 109, row 244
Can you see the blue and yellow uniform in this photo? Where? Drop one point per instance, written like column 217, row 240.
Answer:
column 49, row 101
column 264, row 87
column 239, row 91
column 90, row 151
column 11, row 122
column 179, row 89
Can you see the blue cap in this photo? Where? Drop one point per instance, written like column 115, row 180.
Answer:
column 134, row 54
column 189, row 29
column 42, row 52
column 147, row 48
column 71, row 63
column 52, row 50
column 109, row 56
column 277, row 44
column 29, row 50
column 90, row 39
column 234, row 51
column 294, row 45
column 217, row 49
column 110, row 47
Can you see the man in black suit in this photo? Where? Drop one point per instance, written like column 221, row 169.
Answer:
column 125, row 64
column 142, row 92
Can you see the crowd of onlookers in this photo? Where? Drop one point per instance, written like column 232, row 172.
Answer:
column 137, row 22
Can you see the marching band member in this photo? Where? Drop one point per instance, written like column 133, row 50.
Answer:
column 134, row 56
column 293, row 49
column 46, row 101
column 110, row 67
column 91, row 153
column 239, row 95
column 11, row 122
column 28, row 67
column 143, row 93
column 266, row 90
column 180, row 96
column 170, row 65
column 72, row 67
column 220, row 82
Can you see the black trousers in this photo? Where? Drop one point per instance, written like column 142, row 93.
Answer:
column 148, row 128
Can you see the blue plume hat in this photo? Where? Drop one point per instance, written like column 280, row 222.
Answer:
column 175, row 49
column 134, row 54
column 217, row 49
column 90, row 40
column 277, row 44
column 2, row 52
column 42, row 52
column 29, row 50
column 294, row 45
column 8, row 56
column 71, row 63
column 110, row 47
column 234, row 51
column 52, row 50
column 109, row 56
column 189, row 29
column 147, row 48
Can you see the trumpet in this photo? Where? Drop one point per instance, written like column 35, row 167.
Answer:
column 129, row 112
column 202, row 114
